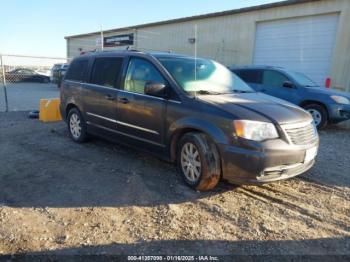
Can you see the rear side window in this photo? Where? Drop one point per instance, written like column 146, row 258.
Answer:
column 106, row 70
column 77, row 69
column 250, row 76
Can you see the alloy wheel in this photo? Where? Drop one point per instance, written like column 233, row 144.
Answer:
column 316, row 115
column 75, row 126
column 190, row 162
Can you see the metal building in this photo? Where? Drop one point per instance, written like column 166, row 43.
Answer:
column 311, row 36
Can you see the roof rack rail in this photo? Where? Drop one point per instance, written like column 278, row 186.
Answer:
column 132, row 50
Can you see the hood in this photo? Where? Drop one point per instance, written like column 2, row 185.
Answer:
column 274, row 109
column 327, row 91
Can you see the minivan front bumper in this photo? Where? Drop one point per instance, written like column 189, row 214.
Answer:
column 267, row 162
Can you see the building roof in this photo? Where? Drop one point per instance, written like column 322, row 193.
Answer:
column 210, row 15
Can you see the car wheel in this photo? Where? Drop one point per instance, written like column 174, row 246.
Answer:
column 198, row 161
column 76, row 126
column 319, row 114
column 46, row 80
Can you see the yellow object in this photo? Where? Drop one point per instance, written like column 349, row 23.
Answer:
column 49, row 110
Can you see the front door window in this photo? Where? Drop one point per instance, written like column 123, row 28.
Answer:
column 139, row 73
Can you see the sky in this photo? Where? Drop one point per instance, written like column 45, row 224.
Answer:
column 38, row 27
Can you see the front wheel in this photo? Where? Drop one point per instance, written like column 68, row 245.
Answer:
column 198, row 161
column 76, row 126
column 319, row 114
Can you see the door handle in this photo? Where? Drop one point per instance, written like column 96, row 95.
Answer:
column 110, row 97
column 123, row 100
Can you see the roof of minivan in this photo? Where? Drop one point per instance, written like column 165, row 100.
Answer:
column 166, row 54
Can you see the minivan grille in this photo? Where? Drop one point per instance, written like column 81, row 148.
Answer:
column 301, row 134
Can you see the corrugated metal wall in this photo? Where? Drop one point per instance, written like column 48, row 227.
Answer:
column 230, row 39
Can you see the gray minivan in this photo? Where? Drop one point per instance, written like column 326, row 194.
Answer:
column 190, row 111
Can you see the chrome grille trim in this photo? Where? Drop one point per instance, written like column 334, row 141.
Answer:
column 301, row 133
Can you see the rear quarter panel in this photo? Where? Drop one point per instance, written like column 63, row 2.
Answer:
column 70, row 96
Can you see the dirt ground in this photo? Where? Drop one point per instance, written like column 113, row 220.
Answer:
column 99, row 198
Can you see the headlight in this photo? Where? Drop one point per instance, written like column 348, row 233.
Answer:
column 341, row 100
column 255, row 130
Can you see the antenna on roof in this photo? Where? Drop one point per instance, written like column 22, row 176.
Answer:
column 102, row 39
column 195, row 57
column 127, row 48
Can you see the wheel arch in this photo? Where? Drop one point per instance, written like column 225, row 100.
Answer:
column 177, row 130
column 69, row 107
column 175, row 138
column 311, row 102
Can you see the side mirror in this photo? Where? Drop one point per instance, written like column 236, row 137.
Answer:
column 155, row 89
column 288, row 84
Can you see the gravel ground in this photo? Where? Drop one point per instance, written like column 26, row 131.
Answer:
column 59, row 197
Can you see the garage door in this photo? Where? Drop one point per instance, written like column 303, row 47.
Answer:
column 303, row 44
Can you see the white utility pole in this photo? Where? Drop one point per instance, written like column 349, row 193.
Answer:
column 4, row 84
column 101, row 39
column 195, row 52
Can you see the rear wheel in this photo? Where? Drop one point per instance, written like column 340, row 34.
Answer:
column 76, row 126
column 319, row 114
column 198, row 161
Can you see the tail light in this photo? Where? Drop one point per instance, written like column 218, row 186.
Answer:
column 328, row 82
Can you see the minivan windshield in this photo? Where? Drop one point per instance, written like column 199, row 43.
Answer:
column 203, row 76
column 303, row 79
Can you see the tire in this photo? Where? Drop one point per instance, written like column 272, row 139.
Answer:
column 319, row 114
column 46, row 80
column 76, row 126
column 204, row 161
column 33, row 114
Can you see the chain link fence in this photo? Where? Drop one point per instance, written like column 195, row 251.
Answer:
column 24, row 80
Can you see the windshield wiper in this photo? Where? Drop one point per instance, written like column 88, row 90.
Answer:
column 242, row 91
column 206, row 92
